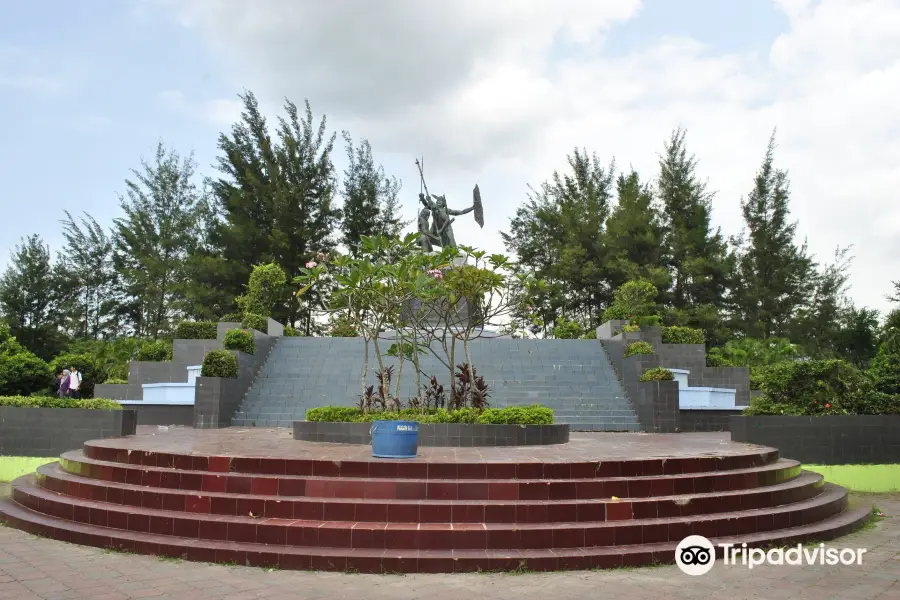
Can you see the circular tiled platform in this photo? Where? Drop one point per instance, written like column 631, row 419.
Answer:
column 259, row 497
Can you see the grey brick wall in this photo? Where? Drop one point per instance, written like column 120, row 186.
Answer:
column 456, row 435
column 573, row 377
column 825, row 440
column 707, row 420
column 48, row 432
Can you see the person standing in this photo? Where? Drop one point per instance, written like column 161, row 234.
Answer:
column 74, row 383
column 64, row 384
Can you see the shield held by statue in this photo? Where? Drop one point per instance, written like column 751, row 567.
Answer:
column 479, row 209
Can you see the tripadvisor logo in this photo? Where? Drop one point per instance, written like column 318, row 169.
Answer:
column 696, row 555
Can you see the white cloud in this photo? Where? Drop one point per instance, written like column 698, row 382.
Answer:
column 480, row 89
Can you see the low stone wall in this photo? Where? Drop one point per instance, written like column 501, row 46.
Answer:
column 164, row 414
column 705, row 420
column 455, row 435
column 825, row 440
column 48, row 432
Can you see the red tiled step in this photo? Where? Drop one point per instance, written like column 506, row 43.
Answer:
column 417, row 489
column 399, row 561
column 53, row 478
column 427, row 468
column 624, row 530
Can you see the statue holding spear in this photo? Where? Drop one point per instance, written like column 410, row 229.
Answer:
column 440, row 231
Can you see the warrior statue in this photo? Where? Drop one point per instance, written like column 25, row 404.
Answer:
column 440, row 231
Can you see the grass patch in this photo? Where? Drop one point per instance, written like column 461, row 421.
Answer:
column 877, row 479
column 16, row 466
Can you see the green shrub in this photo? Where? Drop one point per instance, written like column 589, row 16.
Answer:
column 631, row 329
column 254, row 321
column 232, row 318
column 638, row 348
column 263, row 290
column 567, row 330
column 885, row 369
column 85, row 363
column 156, row 351
column 196, row 330
column 683, row 335
column 819, row 387
column 240, row 339
column 647, row 321
column 657, row 374
column 23, row 373
column 219, row 363
column 291, row 332
column 590, row 335
column 116, row 380
column 53, row 402
column 119, row 371
column 342, row 326
column 631, row 300
column 511, row 415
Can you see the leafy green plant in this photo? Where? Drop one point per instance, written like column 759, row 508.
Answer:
column 231, row 318
column 219, row 363
column 156, row 351
column 591, row 334
column 264, row 289
column 647, row 321
column 291, row 332
column 342, row 326
column 631, row 328
column 116, row 381
column 239, row 339
column 54, row 402
column 567, row 330
column 752, row 352
column 196, row 330
column 819, row 387
column 254, row 321
column 638, row 348
column 632, row 299
column 657, row 374
column 534, row 414
column 683, row 335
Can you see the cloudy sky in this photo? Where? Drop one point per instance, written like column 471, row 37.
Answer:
column 490, row 92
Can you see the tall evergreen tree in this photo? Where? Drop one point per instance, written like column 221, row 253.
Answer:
column 634, row 236
column 857, row 338
column 276, row 200
column 774, row 274
column 154, row 239
column 697, row 253
column 32, row 294
column 89, row 256
column 371, row 198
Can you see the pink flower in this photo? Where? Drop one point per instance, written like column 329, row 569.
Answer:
column 436, row 273
column 322, row 256
column 311, row 264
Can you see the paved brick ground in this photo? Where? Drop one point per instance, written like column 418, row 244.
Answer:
column 33, row 568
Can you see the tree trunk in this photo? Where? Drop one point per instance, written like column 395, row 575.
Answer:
column 365, row 371
column 469, row 366
column 452, row 364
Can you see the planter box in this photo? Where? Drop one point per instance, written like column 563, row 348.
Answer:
column 826, row 440
column 455, row 435
column 48, row 432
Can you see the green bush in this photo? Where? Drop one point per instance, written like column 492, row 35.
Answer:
column 263, row 290
column 638, row 348
column 291, row 332
column 196, row 330
column 683, row 335
column 219, row 363
column 116, row 380
column 631, row 329
column 85, row 363
column 631, row 300
column 342, row 326
column 240, row 339
column 23, row 373
column 53, row 402
column 510, row 415
column 885, row 369
column 156, row 351
column 567, row 330
column 590, row 335
column 232, row 318
column 819, row 387
column 657, row 374
column 254, row 321
column 647, row 321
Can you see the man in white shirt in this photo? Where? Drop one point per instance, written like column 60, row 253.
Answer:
column 74, row 383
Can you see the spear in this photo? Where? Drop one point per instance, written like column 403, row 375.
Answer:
column 422, row 178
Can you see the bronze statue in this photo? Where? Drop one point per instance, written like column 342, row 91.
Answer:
column 440, row 231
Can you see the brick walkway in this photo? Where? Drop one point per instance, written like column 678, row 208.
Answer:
column 33, row 568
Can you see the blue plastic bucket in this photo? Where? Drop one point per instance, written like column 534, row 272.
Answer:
column 395, row 439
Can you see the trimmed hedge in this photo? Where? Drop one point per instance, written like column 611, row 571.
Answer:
column 116, row 380
column 231, row 318
column 53, row 402
column 219, row 363
column 257, row 322
column 196, row 330
column 657, row 374
column 157, row 351
column 638, row 348
column 534, row 414
column 240, row 339
column 631, row 328
column 683, row 335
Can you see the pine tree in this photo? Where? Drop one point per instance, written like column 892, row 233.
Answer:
column 697, row 254
column 154, row 239
column 371, row 198
column 774, row 273
column 634, row 236
column 89, row 256
column 33, row 291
